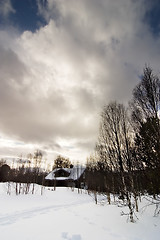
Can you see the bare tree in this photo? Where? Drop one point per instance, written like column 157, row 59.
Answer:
column 37, row 160
column 115, row 138
column 115, row 148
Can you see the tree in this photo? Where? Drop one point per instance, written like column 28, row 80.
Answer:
column 145, row 107
column 2, row 162
column 147, row 143
column 4, row 172
column 62, row 162
column 114, row 145
column 146, row 97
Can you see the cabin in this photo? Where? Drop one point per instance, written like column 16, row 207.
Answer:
column 67, row 177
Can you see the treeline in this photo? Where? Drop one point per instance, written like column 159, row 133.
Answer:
column 139, row 182
column 24, row 170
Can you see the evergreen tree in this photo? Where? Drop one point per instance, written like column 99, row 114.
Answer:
column 62, row 162
column 147, row 143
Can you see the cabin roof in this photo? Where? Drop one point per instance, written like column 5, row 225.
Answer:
column 74, row 173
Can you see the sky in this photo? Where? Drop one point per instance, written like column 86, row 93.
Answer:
column 61, row 61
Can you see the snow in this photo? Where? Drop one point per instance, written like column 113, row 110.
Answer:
column 66, row 215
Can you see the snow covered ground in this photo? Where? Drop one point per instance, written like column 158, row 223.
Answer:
column 67, row 215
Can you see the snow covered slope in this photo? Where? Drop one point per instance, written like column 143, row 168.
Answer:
column 66, row 215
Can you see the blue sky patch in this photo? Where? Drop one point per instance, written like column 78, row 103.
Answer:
column 152, row 16
column 25, row 17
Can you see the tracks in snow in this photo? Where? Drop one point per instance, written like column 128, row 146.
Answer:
column 25, row 214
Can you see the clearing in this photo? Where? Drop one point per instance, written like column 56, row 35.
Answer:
column 66, row 215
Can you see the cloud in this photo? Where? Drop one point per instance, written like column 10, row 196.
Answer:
column 55, row 81
column 6, row 8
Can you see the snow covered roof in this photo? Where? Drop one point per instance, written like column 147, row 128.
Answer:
column 74, row 173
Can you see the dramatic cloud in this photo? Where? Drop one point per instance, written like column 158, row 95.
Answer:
column 54, row 81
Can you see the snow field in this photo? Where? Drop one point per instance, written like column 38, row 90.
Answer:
column 66, row 215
